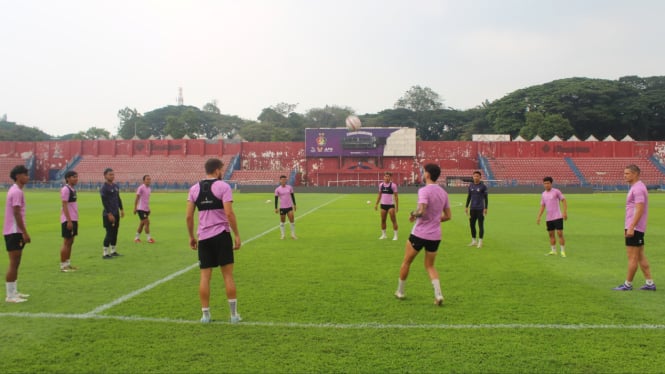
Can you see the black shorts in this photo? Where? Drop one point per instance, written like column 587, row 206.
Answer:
column 429, row 245
column 69, row 233
column 14, row 242
column 143, row 214
column 476, row 214
column 556, row 224
column 216, row 251
column 636, row 241
column 284, row 211
column 387, row 206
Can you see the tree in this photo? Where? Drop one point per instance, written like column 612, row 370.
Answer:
column 284, row 108
column 419, row 99
column 328, row 116
column 211, row 107
column 93, row 133
column 14, row 132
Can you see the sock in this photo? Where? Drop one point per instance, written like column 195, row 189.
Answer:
column 106, row 251
column 147, row 236
column 437, row 289
column 480, row 241
column 281, row 228
column 383, row 232
column 293, row 228
column 473, row 240
column 68, row 262
column 11, row 288
column 63, row 265
column 650, row 282
column 138, row 235
column 629, row 284
column 233, row 306
column 553, row 248
column 400, row 286
column 395, row 233
column 563, row 248
column 206, row 312
column 112, row 249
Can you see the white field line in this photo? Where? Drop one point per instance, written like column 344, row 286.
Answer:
column 349, row 326
column 133, row 294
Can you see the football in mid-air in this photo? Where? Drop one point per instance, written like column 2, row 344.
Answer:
column 353, row 123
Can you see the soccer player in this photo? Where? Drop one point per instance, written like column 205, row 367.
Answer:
column 637, row 211
column 69, row 217
column 214, row 200
column 389, row 204
column 287, row 206
column 15, row 232
column 552, row 200
column 433, row 208
column 142, row 208
column 110, row 193
column 477, row 197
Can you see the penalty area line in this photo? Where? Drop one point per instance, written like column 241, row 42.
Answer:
column 346, row 326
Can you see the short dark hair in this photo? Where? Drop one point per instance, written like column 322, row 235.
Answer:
column 634, row 168
column 477, row 172
column 145, row 176
column 107, row 170
column 17, row 170
column 70, row 174
column 548, row 179
column 434, row 171
column 282, row 176
column 388, row 173
column 213, row 164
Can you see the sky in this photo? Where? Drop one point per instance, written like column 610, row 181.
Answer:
column 69, row 65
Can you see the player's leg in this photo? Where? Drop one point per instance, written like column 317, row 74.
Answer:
column 472, row 225
column 66, row 253
column 282, row 220
column 410, row 254
column 204, row 293
column 430, row 258
column 393, row 219
column 384, row 215
column 292, row 223
column 551, row 233
column 562, row 242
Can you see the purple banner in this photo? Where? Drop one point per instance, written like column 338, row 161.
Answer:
column 335, row 142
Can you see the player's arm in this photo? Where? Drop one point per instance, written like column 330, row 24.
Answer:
column 122, row 212
column 418, row 212
column 65, row 210
column 396, row 202
column 378, row 199
column 446, row 215
column 136, row 202
column 106, row 203
column 276, row 198
column 233, row 223
column 565, row 209
column 20, row 224
column 468, row 200
column 293, row 198
column 189, row 219
column 487, row 200
column 540, row 213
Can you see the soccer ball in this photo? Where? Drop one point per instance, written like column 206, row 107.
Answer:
column 267, row 201
column 369, row 202
column 353, row 123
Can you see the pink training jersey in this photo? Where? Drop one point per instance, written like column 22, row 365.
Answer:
column 550, row 200
column 72, row 207
column 284, row 196
column 143, row 192
column 212, row 222
column 428, row 226
column 15, row 197
column 388, row 198
column 636, row 195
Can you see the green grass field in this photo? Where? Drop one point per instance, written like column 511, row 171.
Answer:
column 324, row 303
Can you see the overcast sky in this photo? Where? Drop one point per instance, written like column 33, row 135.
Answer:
column 68, row 65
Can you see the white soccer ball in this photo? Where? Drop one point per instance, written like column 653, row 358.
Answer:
column 353, row 123
column 369, row 202
column 267, row 201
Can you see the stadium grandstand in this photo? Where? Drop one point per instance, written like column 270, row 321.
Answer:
column 334, row 158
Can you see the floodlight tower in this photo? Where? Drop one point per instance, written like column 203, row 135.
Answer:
column 181, row 101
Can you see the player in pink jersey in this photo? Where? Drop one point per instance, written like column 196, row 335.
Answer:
column 287, row 206
column 433, row 208
column 142, row 208
column 214, row 200
column 552, row 200
column 15, row 232
column 389, row 204
column 635, row 225
column 69, row 220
